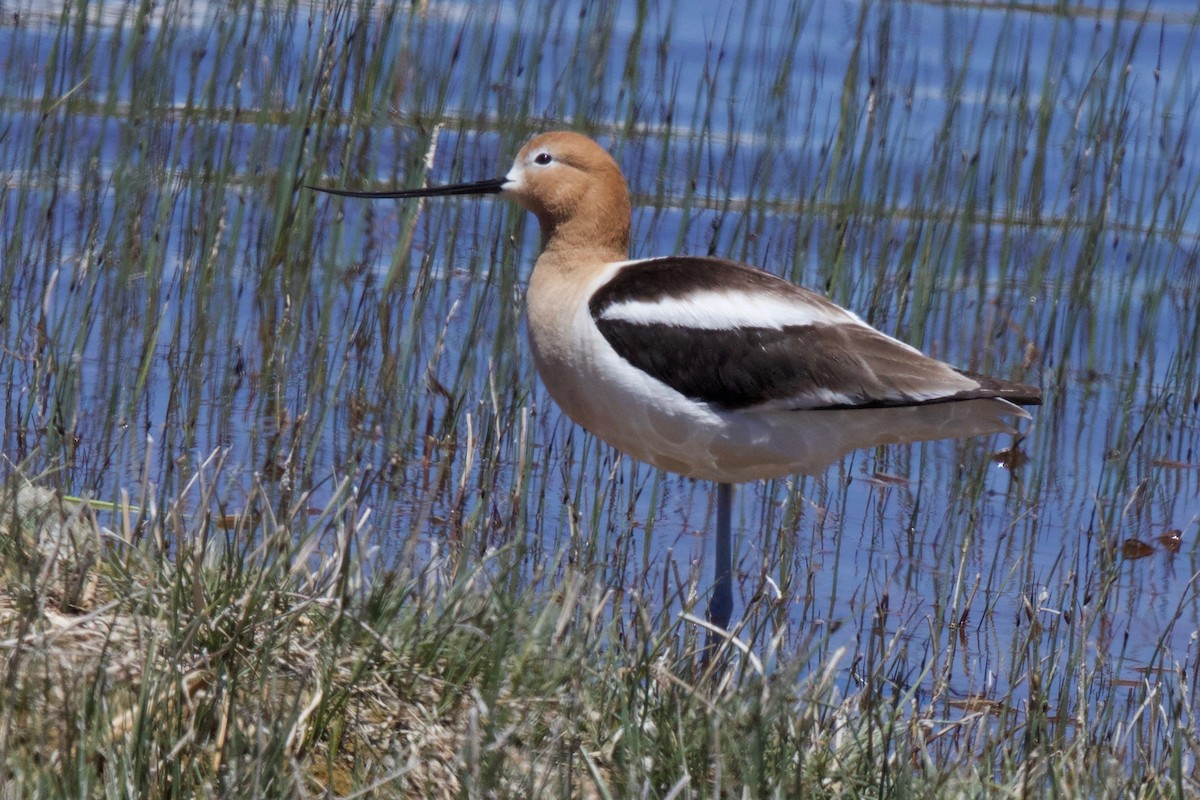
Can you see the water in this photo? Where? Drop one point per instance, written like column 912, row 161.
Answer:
column 1013, row 192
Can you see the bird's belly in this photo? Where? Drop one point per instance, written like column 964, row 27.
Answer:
column 680, row 435
column 656, row 425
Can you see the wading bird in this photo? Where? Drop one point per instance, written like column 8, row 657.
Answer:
column 706, row 367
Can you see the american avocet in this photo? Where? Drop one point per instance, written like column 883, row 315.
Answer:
column 707, row 367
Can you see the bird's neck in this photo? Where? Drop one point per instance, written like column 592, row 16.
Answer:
column 585, row 239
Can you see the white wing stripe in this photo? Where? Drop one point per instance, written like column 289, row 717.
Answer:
column 727, row 310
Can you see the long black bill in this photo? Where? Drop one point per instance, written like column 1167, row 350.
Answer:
column 494, row 186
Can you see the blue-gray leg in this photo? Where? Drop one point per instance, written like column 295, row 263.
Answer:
column 720, row 606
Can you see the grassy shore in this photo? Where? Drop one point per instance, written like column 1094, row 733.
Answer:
column 267, row 656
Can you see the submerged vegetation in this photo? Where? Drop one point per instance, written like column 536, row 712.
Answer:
column 285, row 512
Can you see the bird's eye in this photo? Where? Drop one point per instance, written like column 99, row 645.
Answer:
column 542, row 158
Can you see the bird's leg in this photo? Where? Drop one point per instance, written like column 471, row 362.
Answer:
column 720, row 606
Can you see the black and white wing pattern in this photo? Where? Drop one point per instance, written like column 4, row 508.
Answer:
column 739, row 338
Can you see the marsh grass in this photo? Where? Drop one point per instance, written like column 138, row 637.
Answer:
column 297, row 664
column 348, row 546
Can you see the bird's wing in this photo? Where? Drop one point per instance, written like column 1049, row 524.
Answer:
column 739, row 338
